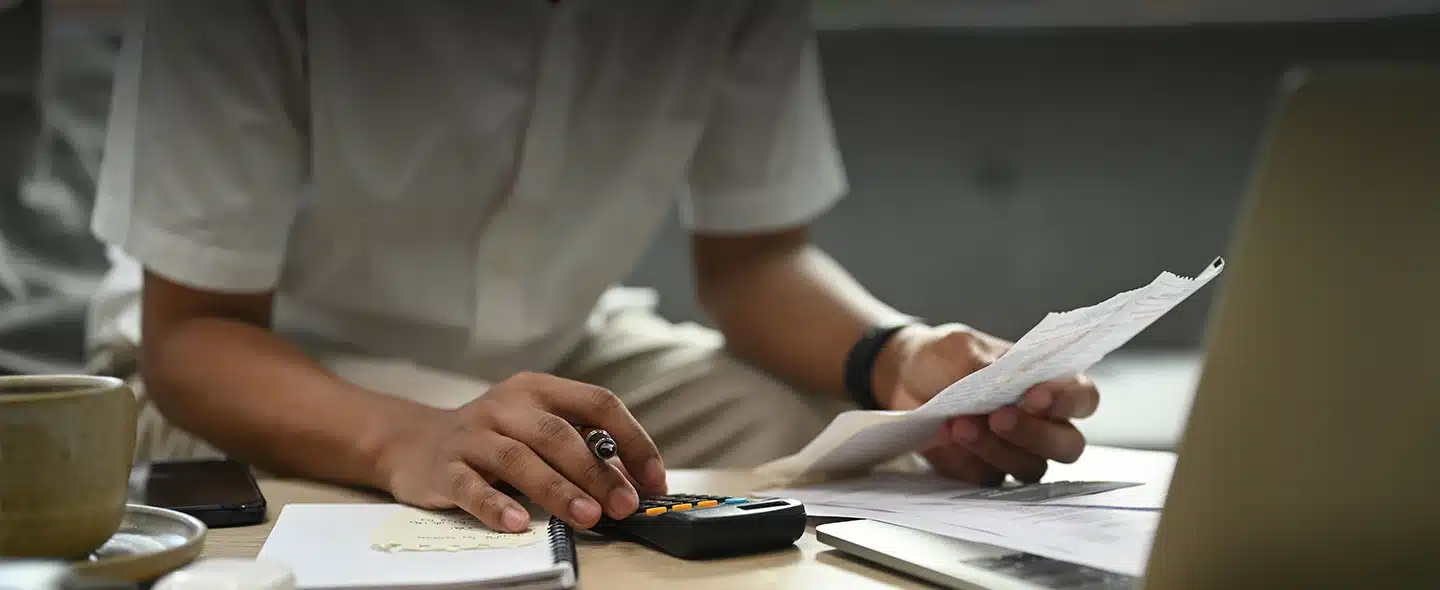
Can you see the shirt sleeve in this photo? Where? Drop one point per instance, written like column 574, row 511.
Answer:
column 205, row 154
column 767, row 158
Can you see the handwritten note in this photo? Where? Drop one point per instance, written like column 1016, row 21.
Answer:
column 412, row 529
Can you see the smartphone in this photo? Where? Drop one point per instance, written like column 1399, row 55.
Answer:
column 219, row 492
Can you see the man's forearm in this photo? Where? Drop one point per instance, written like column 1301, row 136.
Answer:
column 258, row 398
column 790, row 309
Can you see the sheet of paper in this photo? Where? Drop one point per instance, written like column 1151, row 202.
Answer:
column 902, row 492
column 1113, row 540
column 1066, row 343
column 1140, row 497
column 858, row 439
column 1153, row 469
column 1061, row 344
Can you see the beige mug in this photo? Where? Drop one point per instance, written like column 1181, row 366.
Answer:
column 66, row 446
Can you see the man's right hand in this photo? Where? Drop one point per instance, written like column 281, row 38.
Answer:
column 522, row 432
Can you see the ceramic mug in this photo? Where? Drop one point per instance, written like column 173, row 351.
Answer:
column 66, row 446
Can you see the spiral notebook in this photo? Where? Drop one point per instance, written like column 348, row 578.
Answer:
column 383, row 546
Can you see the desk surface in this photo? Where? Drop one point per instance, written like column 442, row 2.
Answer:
column 607, row 564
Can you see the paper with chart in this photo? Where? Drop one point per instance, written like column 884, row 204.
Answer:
column 1090, row 482
column 1034, row 518
column 1113, row 540
column 1061, row 344
column 906, row 492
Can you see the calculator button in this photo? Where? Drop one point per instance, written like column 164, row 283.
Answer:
column 735, row 500
column 680, row 507
column 655, row 510
column 706, row 503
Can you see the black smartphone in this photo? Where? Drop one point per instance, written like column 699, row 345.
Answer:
column 219, row 492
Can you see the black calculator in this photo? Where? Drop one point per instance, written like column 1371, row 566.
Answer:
column 692, row 526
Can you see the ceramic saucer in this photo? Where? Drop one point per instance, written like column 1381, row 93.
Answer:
column 150, row 543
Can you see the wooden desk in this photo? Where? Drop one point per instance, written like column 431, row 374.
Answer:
column 612, row 564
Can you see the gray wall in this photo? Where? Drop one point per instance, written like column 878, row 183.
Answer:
column 998, row 175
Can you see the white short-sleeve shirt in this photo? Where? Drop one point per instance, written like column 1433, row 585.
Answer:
column 455, row 182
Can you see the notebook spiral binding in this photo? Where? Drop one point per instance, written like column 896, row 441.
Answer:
column 562, row 544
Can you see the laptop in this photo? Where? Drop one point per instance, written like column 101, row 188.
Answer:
column 1311, row 456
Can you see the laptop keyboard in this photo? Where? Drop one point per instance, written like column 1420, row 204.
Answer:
column 1054, row 574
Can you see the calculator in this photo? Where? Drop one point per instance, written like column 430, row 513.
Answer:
column 693, row 526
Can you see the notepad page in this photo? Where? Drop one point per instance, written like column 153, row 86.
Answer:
column 329, row 546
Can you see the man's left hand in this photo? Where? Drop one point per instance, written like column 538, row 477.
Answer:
column 1017, row 440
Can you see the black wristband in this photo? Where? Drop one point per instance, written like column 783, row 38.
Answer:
column 860, row 364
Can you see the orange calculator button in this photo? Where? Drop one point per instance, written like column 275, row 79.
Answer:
column 679, row 507
column 654, row 511
column 706, row 504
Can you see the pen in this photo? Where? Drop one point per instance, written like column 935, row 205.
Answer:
column 600, row 442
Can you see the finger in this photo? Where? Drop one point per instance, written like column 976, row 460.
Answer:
column 625, row 472
column 510, row 460
column 1062, row 399
column 1038, row 399
column 560, row 445
column 964, row 429
column 1077, row 398
column 596, row 406
column 1047, row 439
column 498, row 511
column 956, row 462
column 1026, row 467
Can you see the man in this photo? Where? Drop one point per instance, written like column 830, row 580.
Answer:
column 356, row 218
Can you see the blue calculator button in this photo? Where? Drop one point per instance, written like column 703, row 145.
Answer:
column 735, row 500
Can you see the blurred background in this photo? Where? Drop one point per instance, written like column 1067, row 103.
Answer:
column 1007, row 158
